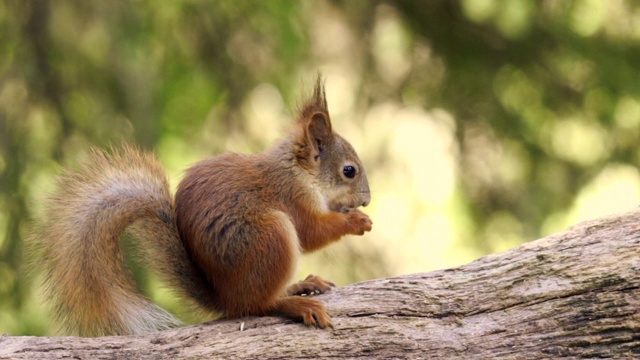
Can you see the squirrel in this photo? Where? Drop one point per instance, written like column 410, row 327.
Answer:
column 229, row 241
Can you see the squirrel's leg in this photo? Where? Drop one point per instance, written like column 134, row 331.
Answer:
column 258, row 286
column 311, row 311
column 311, row 285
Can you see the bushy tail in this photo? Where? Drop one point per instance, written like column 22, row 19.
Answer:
column 85, row 278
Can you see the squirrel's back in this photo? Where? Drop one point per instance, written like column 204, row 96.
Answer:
column 85, row 277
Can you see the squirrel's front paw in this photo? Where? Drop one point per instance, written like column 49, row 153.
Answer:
column 360, row 222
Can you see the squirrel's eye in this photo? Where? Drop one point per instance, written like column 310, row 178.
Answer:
column 349, row 171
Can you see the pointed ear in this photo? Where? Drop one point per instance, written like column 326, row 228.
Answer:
column 319, row 133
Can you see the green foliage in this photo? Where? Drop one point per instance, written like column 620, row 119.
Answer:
column 482, row 123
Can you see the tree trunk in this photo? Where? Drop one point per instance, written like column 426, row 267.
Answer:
column 572, row 294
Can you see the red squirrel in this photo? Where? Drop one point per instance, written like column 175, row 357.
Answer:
column 229, row 241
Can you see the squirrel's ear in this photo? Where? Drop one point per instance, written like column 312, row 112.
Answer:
column 318, row 133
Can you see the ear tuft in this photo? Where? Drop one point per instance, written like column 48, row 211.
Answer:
column 317, row 102
column 313, row 119
column 319, row 96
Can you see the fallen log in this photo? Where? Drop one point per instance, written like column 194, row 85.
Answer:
column 571, row 294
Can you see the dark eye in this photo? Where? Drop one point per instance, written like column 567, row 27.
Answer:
column 349, row 171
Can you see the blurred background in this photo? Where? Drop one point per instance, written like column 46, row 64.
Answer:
column 482, row 124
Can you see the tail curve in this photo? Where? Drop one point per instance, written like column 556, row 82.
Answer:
column 85, row 277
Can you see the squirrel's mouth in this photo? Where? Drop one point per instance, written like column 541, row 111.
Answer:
column 347, row 209
column 348, row 203
column 344, row 208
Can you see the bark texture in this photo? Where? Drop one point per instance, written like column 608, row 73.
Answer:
column 571, row 294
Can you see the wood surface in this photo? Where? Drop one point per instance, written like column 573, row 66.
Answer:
column 572, row 294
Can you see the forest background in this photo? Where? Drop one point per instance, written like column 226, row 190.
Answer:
column 482, row 124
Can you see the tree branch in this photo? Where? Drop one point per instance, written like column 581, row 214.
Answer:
column 574, row 293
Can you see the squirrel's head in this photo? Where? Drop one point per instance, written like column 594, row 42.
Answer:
column 329, row 158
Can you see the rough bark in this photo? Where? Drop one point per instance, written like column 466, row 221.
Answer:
column 574, row 294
